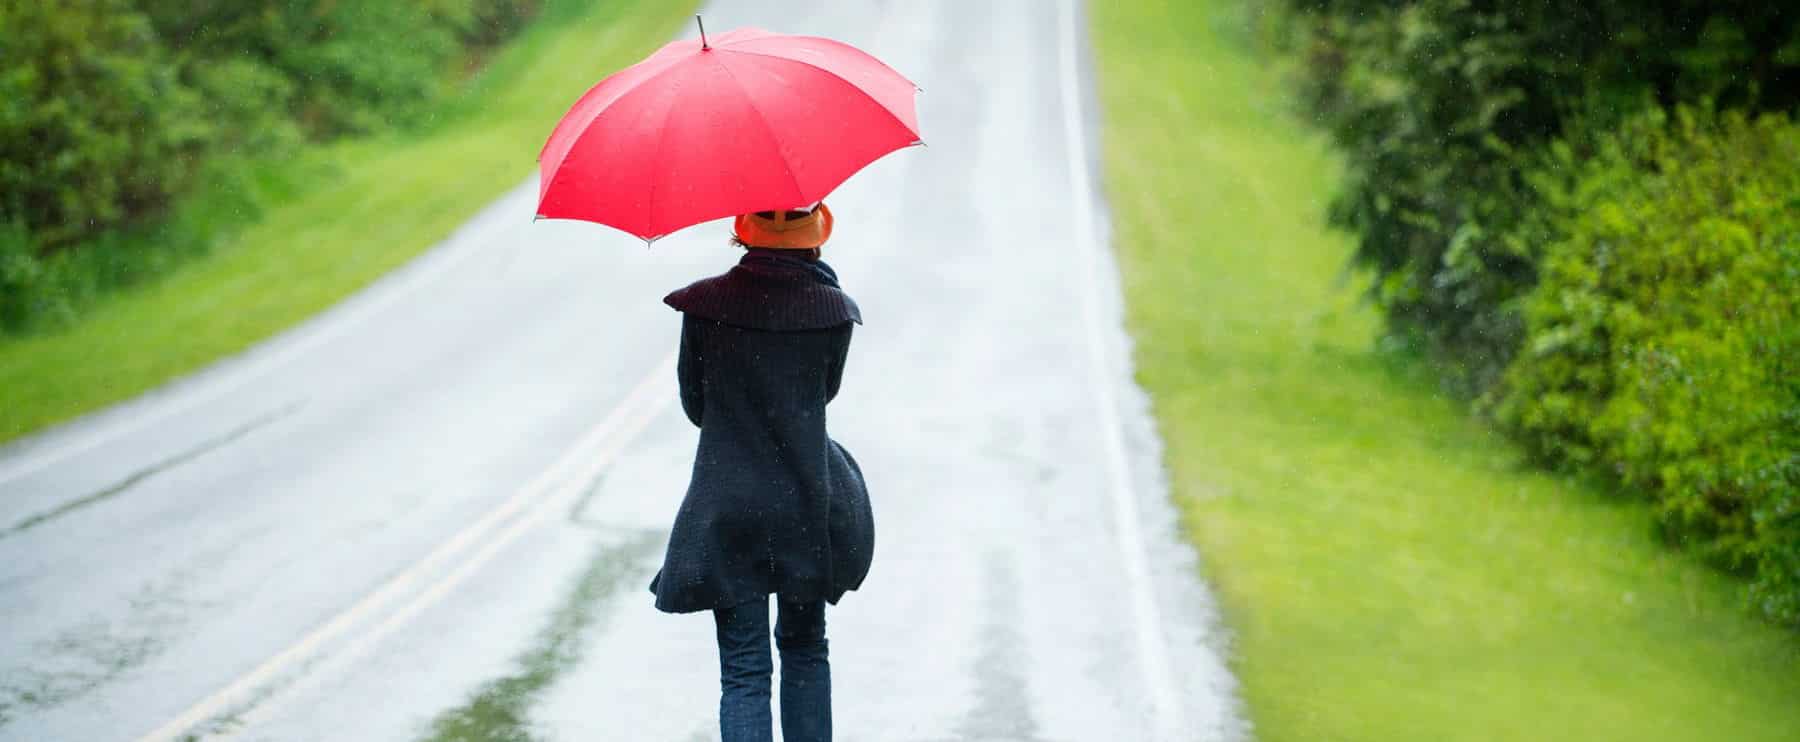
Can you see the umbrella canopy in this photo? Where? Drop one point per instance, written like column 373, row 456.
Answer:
column 752, row 121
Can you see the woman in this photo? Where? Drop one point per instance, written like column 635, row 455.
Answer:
column 774, row 506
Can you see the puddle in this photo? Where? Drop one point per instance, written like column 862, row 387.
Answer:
column 1002, row 706
column 499, row 709
column 90, row 654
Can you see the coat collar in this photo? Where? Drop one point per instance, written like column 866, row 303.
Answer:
column 770, row 290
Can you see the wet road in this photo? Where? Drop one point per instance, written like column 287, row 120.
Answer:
column 433, row 510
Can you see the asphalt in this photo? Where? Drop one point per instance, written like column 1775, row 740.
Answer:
column 432, row 510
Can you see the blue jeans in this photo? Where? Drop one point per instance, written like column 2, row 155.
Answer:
column 744, row 670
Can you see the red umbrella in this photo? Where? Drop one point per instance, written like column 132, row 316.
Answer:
column 699, row 131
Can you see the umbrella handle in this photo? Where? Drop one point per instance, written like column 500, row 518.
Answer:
column 703, row 45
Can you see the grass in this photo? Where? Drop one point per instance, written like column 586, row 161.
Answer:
column 1390, row 568
column 341, row 216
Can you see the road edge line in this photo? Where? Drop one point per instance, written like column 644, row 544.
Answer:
column 333, row 327
column 360, row 644
column 1147, row 616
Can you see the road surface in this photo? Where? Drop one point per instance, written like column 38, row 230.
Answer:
column 435, row 508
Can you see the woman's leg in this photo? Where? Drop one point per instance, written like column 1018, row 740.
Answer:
column 744, row 670
column 805, row 673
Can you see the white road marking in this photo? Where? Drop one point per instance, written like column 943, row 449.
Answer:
column 33, row 462
column 1168, row 724
column 358, row 646
column 596, row 448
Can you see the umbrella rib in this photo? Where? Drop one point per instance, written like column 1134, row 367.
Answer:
column 841, row 78
column 834, row 42
column 798, row 191
column 662, row 128
column 601, row 110
column 639, row 88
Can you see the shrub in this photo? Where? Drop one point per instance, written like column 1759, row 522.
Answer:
column 95, row 127
column 110, row 110
column 107, row 106
column 21, row 277
column 482, row 23
column 1614, row 285
column 1438, row 104
column 353, row 67
column 1664, row 334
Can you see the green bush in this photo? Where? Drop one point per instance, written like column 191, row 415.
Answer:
column 1437, row 105
column 95, row 126
column 346, row 67
column 106, row 106
column 42, row 289
column 1664, row 333
column 111, row 110
column 21, row 274
column 1614, row 286
column 485, row 22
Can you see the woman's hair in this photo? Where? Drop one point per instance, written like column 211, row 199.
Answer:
column 811, row 253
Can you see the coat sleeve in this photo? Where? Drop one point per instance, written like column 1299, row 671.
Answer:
column 840, row 352
column 688, row 370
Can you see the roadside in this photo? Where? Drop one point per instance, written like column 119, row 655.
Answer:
column 1390, row 568
column 367, row 565
column 351, row 213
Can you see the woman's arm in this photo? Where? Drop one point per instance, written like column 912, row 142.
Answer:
column 840, row 352
column 688, row 370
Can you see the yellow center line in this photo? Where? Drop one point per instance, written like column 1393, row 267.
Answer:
column 597, row 447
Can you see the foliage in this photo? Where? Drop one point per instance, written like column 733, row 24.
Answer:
column 111, row 110
column 95, row 124
column 286, row 237
column 44, row 289
column 485, row 22
column 1387, row 568
column 1664, row 333
column 1436, row 102
column 350, row 67
column 1611, row 283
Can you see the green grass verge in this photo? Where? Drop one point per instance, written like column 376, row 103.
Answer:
column 1390, row 568
column 340, row 217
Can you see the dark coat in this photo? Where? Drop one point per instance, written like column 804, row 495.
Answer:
column 774, row 505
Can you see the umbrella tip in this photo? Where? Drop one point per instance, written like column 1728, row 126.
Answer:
column 702, row 23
